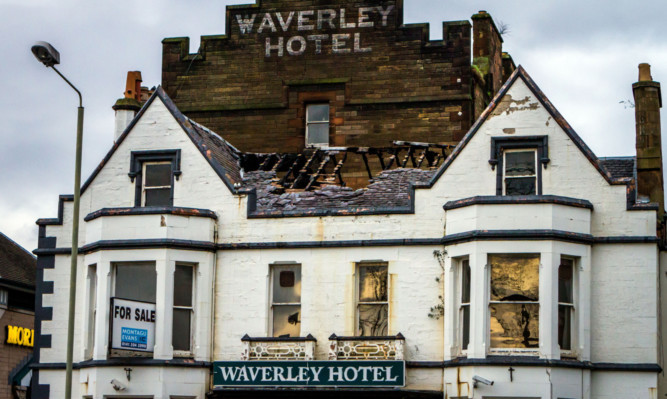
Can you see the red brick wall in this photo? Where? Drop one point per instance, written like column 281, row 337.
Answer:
column 12, row 355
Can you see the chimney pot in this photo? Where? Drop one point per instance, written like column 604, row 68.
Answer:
column 645, row 73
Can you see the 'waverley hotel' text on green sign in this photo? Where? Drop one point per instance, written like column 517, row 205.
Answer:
column 309, row 373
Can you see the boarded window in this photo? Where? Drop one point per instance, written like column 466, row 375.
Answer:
column 183, row 307
column 520, row 172
column 373, row 301
column 514, row 303
column 317, row 125
column 286, row 300
column 565, row 303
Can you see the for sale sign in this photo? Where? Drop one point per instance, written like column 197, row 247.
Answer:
column 132, row 325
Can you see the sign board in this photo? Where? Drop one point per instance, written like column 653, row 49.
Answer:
column 132, row 325
column 362, row 373
column 20, row 336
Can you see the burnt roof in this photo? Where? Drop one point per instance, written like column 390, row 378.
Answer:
column 16, row 264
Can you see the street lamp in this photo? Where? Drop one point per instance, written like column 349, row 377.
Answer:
column 49, row 56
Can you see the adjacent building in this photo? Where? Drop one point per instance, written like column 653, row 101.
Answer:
column 226, row 252
column 17, row 315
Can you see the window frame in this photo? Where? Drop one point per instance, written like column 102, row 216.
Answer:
column 533, row 151
column 91, row 311
column 461, row 264
column 489, row 302
column 309, row 123
column 191, row 308
column 272, row 272
column 573, row 307
column 359, row 303
column 137, row 170
column 501, row 144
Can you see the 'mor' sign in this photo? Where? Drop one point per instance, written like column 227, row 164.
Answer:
column 310, row 373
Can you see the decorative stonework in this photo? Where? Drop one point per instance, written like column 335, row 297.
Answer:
column 366, row 348
column 278, row 348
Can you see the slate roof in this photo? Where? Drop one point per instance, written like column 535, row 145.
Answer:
column 619, row 167
column 16, row 264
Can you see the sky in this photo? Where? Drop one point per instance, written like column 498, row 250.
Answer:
column 582, row 54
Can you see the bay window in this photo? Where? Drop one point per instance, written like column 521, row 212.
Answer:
column 183, row 308
column 565, row 303
column 464, row 308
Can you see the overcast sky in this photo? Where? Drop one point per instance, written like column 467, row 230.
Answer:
column 582, row 54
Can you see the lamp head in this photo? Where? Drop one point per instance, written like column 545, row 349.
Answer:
column 46, row 54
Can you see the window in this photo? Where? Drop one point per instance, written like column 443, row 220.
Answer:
column 156, row 184
column 519, row 161
column 3, row 298
column 565, row 303
column 520, row 177
column 286, row 300
column 514, row 301
column 183, row 308
column 135, row 281
column 464, row 309
column 153, row 173
column 317, row 125
column 373, row 300
column 92, row 310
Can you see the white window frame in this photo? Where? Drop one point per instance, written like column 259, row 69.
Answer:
column 308, row 123
column 272, row 272
column 358, row 303
column 492, row 350
column 91, row 314
column 144, row 187
column 460, row 305
column 187, row 353
column 573, row 307
column 535, row 175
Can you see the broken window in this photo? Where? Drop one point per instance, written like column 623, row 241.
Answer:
column 565, row 303
column 465, row 304
column 514, row 302
column 286, row 300
column 520, row 174
column 373, row 300
column 156, row 184
column 183, row 308
column 317, row 125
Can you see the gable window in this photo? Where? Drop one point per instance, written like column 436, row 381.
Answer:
column 373, row 299
column 520, row 177
column 565, row 303
column 317, row 125
column 514, row 301
column 286, row 300
column 518, row 162
column 183, row 308
column 154, row 173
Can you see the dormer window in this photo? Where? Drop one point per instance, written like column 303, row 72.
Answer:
column 317, row 125
column 520, row 172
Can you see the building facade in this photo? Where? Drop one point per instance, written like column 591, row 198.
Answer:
column 17, row 316
column 494, row 259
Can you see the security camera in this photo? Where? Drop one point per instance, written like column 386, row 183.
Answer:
column 117, row 385
column 477, row 379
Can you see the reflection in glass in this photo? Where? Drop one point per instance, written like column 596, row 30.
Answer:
column 372, row 283
column 514, row 304
column 158, row 174
column 136, row 281
column 181, row 329
column 373, row 320
column 287, row 321
column 565, row 302
column 465, row 304
column 520, row 163
column 520, row 186
column 286, row 300
column 318, row 113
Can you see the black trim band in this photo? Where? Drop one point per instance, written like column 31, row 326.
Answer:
column 518, row 199
column 120, row 362
column 151, row 210
column 309, row 337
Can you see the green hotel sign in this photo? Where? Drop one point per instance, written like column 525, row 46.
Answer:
column 309, row 373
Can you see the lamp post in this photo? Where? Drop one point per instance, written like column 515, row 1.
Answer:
column 49, row 56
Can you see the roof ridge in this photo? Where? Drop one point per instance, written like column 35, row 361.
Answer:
column 17, row 245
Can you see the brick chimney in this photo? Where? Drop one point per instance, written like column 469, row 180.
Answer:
column 128, row 106
column 648, row 101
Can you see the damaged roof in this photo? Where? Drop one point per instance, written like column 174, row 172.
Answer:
column 16, row 264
